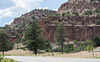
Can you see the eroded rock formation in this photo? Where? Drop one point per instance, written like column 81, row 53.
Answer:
column 76, row 32
column 79, row 6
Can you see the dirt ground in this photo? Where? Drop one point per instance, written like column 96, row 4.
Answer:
column 82, row 54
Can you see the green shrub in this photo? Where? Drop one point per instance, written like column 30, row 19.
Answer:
column 98, row 22
column 75, row 13
column 98, row 0
column 48, row 50
column 56, row 23
column 88, row 13
column 82, row 23
column 88, row 48
column 75, row 41
column 57, row 50
column 68, row 48
column 63, row 14
column 33, row 17
column 73, row 24
column 76, row 49
column 97, row 11
column 96, row 41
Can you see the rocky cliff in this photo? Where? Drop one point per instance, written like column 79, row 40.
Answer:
column 73, row 32
column 79, row 17
column 36, row 14
column 80, row 6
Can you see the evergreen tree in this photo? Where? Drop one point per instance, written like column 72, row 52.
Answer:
column 5, row 44
column 33, row 37
column 60, row 34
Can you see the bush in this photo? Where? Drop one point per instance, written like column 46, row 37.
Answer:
column 88, row 13
column 88, row 48
column 97, row 11
column 76, row 49
column 75, row 13
column 75, row 41
column 33, row 17
column 96, row 41
column 73, row 24
column 68, row 48
column 82, row 23
column 63, row 14
column 98, row 22
column 48, row 50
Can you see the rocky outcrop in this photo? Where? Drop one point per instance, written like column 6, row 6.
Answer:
column 76, row 32
column 79, row 6
column 36, row 14
column 78, row 27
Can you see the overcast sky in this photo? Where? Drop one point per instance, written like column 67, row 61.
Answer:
column 10, row 9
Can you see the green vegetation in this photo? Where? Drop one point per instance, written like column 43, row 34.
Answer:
column 83, row 23
column 5, row 44
column 95, row 0
column 63, row 14
column 68, row 14
column 60, row 34
column 7, row 60
column 75, row 13
column 98, row 0
column 73, row 24
column 96, row 41
column 2, row 59
column 98, row 22
column 33, row 39
column 47, row 20
column 70, row 48
column 97, row 11
column 33, row 17
column 7, row 27
column 88, row 13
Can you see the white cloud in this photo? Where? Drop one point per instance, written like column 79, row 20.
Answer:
column 42, row 8
column 45, row 8
column 55, row 9
column 18, row 7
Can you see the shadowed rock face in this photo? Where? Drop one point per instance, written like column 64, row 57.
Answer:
column 79, row 6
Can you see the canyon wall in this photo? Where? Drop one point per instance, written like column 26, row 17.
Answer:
column 77, row 32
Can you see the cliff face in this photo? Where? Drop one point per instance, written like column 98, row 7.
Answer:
column 79, row 33
column 36, row 14
column 76, row 32
column 80, row 25
column 79, row 6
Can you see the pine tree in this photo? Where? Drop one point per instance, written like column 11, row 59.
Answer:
column 34, row 41
column 60, row 34
column 5, row 44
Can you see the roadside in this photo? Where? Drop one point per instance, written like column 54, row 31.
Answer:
column 82, row 54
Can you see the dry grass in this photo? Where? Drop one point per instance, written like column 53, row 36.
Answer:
column 82, row 54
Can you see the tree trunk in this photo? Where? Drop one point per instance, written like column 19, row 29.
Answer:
column 35, row 51
column 62, row 48
column 93, row 50
column 3, row 53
